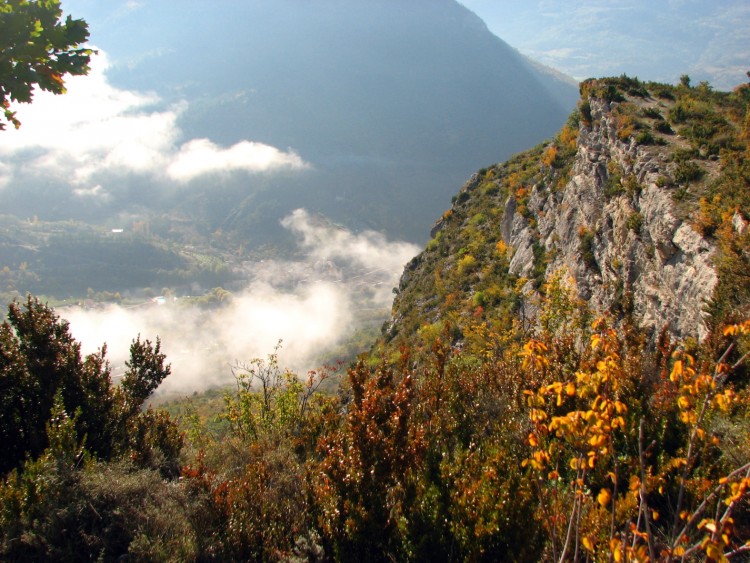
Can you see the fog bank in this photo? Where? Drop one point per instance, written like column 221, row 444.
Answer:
column 310, row 304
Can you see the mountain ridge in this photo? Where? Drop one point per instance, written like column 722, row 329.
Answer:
column 383, row 108
column 638, row 207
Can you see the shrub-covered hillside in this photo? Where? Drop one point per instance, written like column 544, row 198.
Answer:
column 641, row 204
column 521, row 406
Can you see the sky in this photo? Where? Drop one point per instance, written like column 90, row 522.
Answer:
column 97, row 129
column 657, row 40
column 653, row 39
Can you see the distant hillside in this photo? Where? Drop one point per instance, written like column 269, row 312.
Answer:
column 392, row 104
column 639, row 207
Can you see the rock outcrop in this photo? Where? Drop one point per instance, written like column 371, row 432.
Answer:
column 640, row 205
column 629, row 242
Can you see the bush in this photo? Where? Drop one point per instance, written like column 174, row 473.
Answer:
column 586, row 240
column 65, row 507
column 39, row 359
column 645, row 138
column 663, row 127
column 687, row 172
column 635, row 222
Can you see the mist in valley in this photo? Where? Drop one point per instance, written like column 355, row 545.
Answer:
column 331, row 120
column 342, row 282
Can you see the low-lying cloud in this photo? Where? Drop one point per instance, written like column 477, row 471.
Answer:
column 98, row 130
column 369, row 249
column 310, row 304
column 201, row 156
column 202, row 345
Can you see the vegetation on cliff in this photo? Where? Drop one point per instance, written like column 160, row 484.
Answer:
column 500, row 417
column 493, row 252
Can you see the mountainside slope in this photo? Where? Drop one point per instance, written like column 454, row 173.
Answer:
column 640, row 206
column 391, row 105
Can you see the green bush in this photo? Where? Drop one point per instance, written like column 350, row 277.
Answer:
column 586, row 240
column 66, row 507
column 663, row 127
column 687, row 172
column 645, row 138
column 39, row 359
column 635, row 222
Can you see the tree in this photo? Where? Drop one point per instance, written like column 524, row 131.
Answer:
column 40, row 359
column 37, row 49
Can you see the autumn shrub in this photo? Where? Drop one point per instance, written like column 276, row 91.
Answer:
column 253, row 506
column 618, row 473
column 470, row 502
column 361, row 482
column 251, row 484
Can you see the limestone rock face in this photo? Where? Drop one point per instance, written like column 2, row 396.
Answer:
column 616, row 241
column 639, row 206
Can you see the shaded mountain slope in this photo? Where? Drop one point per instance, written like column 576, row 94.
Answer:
column 391, row 103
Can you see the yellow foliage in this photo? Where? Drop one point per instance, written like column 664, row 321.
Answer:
column 625, row 126
column 549, row 155
column 466, row 263
column 735, row 329
column 568, row 137
column 501, row 248
column 533, row 355
column 581, row 438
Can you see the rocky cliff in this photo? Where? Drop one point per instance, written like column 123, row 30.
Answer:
column 635, row 242
column 639, row 206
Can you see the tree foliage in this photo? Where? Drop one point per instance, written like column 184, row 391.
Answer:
column 37, row 49
column 40, row 360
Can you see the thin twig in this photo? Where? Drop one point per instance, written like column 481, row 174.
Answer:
column 699, row 511
column 576, row 503
column 644, row 500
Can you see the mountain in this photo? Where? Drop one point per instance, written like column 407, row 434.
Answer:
column 389, row 104
column 654, row 41
column 638, row 208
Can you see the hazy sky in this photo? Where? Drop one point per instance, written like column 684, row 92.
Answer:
column 652, row 39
